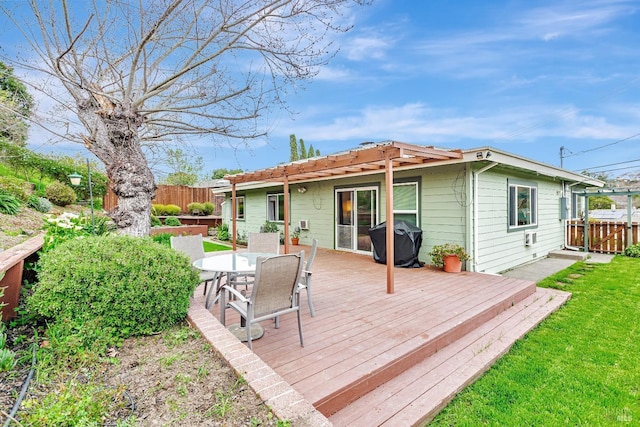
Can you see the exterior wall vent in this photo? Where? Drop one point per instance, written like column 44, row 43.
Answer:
column 304, row 224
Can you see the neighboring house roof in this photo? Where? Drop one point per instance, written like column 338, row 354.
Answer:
column 614, row 214
column 372, row 158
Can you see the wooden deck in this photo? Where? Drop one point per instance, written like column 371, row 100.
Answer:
column 372, row 358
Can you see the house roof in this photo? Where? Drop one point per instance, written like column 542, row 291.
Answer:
column 371, row 158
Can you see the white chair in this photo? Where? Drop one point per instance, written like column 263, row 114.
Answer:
column 192, row 246
column 305, row 278
column 274, row 292
column 268, row 243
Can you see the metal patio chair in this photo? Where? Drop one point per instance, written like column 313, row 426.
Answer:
column 305, row 278
column 274, row 293
column 193, row 248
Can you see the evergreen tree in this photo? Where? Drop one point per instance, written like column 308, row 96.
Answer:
column 303, row 150
column 293, row 146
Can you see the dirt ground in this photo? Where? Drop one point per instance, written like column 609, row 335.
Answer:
column 170, row 379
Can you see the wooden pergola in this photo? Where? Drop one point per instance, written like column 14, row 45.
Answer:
column 369, row 158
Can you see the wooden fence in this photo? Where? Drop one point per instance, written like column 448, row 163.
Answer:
column 604, row 237
column 180, row 195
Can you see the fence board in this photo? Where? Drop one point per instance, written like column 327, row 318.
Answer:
column 179, row 195
column 608, row 237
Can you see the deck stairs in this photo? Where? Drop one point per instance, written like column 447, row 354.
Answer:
column 414, row 388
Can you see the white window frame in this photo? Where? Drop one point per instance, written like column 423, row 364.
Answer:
column 240, row 215
column 408, row 211
column 512, row 202
column 276, row 207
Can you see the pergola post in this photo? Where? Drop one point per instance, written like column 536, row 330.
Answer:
column 390, row 224
column 286, row 214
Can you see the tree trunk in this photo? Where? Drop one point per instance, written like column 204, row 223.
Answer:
column 132, row 182
column 115, row 141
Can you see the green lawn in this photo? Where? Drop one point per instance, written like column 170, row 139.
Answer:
column 580, row 367
column 214, row 247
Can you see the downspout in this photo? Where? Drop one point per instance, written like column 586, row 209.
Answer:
column 476, row 228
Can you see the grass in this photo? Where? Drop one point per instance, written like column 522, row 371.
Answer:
column 579, row 367
column 214, row 247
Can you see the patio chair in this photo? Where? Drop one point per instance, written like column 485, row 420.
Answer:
column 193, row 248
column 305, row 278
column 264, row 242
column 268, row 243
column 273, row 293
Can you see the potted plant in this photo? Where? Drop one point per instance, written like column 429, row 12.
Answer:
column 449, row 256
column 295, row 236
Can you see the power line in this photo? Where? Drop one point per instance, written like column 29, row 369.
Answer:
column 610, row 164
column 602, row 146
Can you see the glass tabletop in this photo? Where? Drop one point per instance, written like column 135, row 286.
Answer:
column 236, row 262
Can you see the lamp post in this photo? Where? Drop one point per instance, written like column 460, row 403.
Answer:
column 75, row 180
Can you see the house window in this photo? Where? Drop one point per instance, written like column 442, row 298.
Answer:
column 405, row 202
column 523, row 206
column 240, row 207
column 275, row 207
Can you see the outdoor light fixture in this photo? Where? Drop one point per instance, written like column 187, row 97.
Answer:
column 302, row 189
column 486, row 156
column 75, row 178
column 479, row 155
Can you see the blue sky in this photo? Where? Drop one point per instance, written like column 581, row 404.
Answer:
column 524, row 77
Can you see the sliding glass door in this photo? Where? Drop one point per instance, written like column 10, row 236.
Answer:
column 356, row 213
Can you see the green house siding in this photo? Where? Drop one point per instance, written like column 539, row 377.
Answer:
column 500, row 248
column 446, row 212
column 443, row 208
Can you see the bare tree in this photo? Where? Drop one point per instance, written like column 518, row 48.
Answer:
column 159, row 70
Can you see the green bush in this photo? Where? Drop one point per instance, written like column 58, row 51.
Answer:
column 172, row 221
column 223, row 232
column 633, row 251
column 196, row 208
column 68, row 226
column 130, row 284
column 208, row 208
column 162, row 238
column 9, row 204
column 172, row 210
column 18, row 188
column 157, row 209
column 40, row 204
column 60, row 194
column 155, row 221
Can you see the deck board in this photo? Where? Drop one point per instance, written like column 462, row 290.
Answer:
column 362, row 336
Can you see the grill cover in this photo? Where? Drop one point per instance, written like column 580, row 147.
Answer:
column 407, row 242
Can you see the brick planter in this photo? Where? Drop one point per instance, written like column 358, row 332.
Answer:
column 183, row 230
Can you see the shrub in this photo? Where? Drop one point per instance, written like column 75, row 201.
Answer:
column 130, row 284
column 172, row 221
column 16, row 187
column 162, row 238
column 155, row 221
column 196, row 208
column 223, row 232
column 270, row 227
column 69, row 226
column 172, row 210
column 7, row 357
column 157, row 209
column 208, row 208
column 633, row 251
column 60, row 194
column 9, row 204
column 40, row 204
